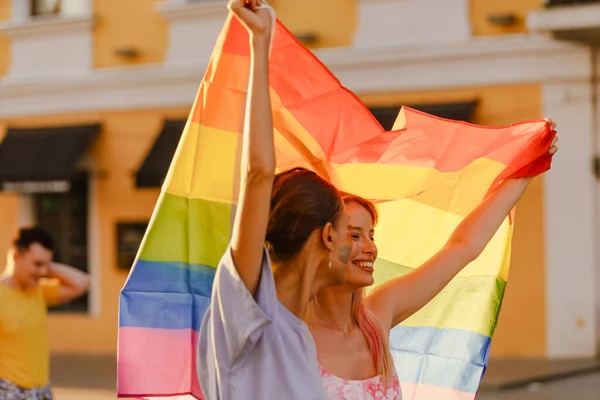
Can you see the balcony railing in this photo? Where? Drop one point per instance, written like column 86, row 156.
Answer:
column 572, row 20
column 555, row 3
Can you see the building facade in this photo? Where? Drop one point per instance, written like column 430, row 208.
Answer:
column 93, row 95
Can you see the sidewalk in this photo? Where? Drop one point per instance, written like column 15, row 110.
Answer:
column 76, row 377
column 61, row 393
column 513, row 373
column 94, row 377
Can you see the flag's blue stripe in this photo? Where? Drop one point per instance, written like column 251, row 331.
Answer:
column 162, row 310
column 171, row 277
column 176, row 296
column 166, row 295
column 449, row 358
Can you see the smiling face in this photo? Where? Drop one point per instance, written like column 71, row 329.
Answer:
column 359, row 271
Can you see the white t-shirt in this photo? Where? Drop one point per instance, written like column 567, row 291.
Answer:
column 254, row 348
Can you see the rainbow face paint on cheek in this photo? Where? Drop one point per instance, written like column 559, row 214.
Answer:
column 344, row 254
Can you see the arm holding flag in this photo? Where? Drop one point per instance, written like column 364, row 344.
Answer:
column 396, row 300
column 258, row 154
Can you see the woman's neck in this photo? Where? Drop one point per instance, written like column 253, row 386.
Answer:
column 293, row 291
column 333, row 309
column 296, row 282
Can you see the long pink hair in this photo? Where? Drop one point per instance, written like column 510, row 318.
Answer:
column 367, row 322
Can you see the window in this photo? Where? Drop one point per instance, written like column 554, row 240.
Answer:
column 62, row 8
column 460, row 111
column 65, row 216
column 45, row 7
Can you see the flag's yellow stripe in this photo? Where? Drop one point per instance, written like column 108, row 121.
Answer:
column 410, row 232
column 205, row 165
column 468, row 302
column 191, row 231
column 195, row 231
column 208, row 159
column 457, row 192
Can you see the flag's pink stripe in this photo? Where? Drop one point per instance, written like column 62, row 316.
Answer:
column 157, row 362
column 419, row 391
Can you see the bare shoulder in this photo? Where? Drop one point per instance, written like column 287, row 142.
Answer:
column 379, row 312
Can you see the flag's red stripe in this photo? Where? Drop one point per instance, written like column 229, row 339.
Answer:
column 340, row 122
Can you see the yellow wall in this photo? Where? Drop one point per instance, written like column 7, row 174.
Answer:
column 8, row 215
column 522, row 325
column 125, row 139
column 4, row 41
column 333, row 21
column 481, row 9
column 128, row 24
column 9, row 222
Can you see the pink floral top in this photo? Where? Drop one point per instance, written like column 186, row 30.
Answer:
column 367, row 389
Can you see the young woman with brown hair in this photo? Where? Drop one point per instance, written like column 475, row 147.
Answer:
column 253, row 343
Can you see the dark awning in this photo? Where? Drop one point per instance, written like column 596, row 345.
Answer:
column 456, row 111
column 43, row 154
column 156, row 165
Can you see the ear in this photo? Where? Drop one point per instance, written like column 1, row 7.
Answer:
column 327, row 236
column 14, row 254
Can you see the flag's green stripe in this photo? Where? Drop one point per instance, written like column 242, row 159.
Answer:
column 191, row 231
column 467, row 303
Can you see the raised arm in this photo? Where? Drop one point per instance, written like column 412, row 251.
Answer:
column 399, row 298
column 258, row 154
column 72, row 282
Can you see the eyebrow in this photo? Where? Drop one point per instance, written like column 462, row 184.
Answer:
column 358, row 228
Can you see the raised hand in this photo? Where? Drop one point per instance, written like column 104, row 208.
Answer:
column 254, row 16
column 553, row 146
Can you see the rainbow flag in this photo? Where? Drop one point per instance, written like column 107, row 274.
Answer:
column 426, row 176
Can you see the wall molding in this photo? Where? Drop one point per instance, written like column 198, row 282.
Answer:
column 177, row 10
column 43, row 26
column 476, row 62
column 562, row 18
column 408, row 22
column 194, row 27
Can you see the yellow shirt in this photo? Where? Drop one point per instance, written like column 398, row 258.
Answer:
column 24, row 350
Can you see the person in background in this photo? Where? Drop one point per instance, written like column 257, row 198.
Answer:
column 30, row 283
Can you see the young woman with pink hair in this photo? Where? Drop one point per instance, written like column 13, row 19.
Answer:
column 351, row 329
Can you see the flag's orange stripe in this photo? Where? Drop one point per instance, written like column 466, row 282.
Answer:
column 237, row 39
column 226, row 87
column 348, row 133
column 227, row 91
